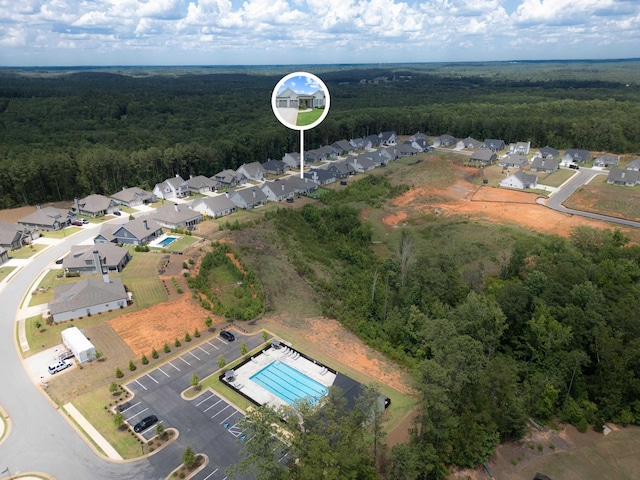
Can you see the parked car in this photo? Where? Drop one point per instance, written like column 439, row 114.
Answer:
column 117, row 213
column 227, row 335
column 59, row 366
column 59, row 261
column 84, row 221
column 145, row 423
column 76, row 223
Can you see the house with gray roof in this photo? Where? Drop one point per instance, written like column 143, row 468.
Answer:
column 406, row 150
column 420, row 144
column 625, row 178
column 493, row 144
column 513, row 160
column 174, row 187
column 292, row 159
column 521, row 148
column 13, row 237
column 469, row 143
column 4, row 255
column 320, row 176
column 96, row 206
column 176, row 216
column 606, row 161
column 47, row 218
column 201, row 184
column 229, row 179
column 249, row 197
column 87, row 297
column 542, row 164
column 82, row 258
column 253, row 171
column 361, row 143
column 277, row 190
column 275, row 167
column 133, row 197
column 574, row 155
column 548, row 152
column 483, row 157
column 341, row 169
column 634, row 165
column 343, row 147
column 361, row 163
column 388, row 138
column 139, row 231
column 373, row 139
column 520, row 180
column 302, row 186
column 444, row 141
column 214, row 207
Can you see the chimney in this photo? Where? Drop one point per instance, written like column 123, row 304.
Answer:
column 226, row 194
column 77, row 205
column 145, row 225
column 175, row 205
column 99, row 268
column 254, row 193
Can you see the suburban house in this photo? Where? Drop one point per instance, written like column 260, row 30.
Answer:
column 133, row 197
column 174, row 187
column 606, row 161
column 13, row 237
column 343, row 147
column 626, row 178
column 139, row 231
column 483, row 157
column 47, row 218
column 303, row 186
column 229, row 178
column 372, row 140
column 520, row 147
column 542, row 164
column 292, row 159
column 342, row 169
column 420, row 144
column 361, row 163
column 468, row 143
column 214, row 207
column 634, row 165
column 253, row 171
column 201, row 184
column 277, row 190
column 313, row 156
column 513, row 160
column 290, row 99
column 444, row 141
column 176, row 216
column 574, row 155
column 377, row 157
column 495, row 145
column 248, row 197
column 406, row 150
column 388, row 138
column 275, row 167
column 83, row 258
column 520, row 180
column 321, row 176
column 4, row 255
column 548, row 152
column 361, row 143
column 96, row 206
column 87, row 297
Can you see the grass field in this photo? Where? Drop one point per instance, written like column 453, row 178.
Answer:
column 65, row 232
column 26, row 252
column 600, row 197
column 307, row 118
column 5, row 271
column 141, row 277
column 556, row 178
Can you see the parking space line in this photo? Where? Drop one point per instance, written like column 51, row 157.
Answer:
column 228, row 417
column 191, row 353
column 164, row 372
column 204, row 350
column 140, row 384
column 136, row 414
column 184, row 361
column 218, row 338
column 217, row 348
column 221, row 411
column 129, row 408
column 212, row 473
column 152, row 378
column 204, row 400
column 174, row 366
column 211, row 406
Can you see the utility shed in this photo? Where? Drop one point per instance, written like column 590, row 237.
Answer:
column 82, row 348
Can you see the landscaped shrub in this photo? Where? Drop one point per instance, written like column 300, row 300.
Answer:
column 132, row 366
column 187, row 337
column 119, row 373
column 154, row 353
column 144, row 360
column 166, row 348
column 196, row 333
column 177, row 343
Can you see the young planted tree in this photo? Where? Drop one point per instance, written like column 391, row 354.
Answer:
column 189, row 457
column 118, row 420
column 119, row 373
column 221, row 361
column 113, row 388
column 154, row 353
column 132, row 366
column 208, row 322
column 243, row 349
column 195, row 382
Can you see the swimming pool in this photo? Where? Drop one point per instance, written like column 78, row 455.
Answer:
column 287, row 383
column 166, row 241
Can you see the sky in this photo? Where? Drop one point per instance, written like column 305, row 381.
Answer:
column 301, row 84
column 298, row 32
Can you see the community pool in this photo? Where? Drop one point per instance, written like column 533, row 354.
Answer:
column 166, row 241
column 288, row 384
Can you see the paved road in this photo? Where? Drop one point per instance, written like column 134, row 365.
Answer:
column 40, row 438
column 555, row 201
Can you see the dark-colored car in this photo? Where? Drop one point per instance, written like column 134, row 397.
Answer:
column 227, row 335
column 76, row 223
column 117, row 213
column 145, row 423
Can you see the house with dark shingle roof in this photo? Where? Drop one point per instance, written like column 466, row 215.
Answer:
column 253, row 171
column 361, row 163
column 13, row 237
column 174, row 187
column 96, row 206
column 292, row 159
column 4, row 255
column 303, row 186
column 320, row 176
column 133, row 197
column 82, row 258
column 606, row 161
column 634, row 165
column 246, row 198
column 275, row 167
column 361, row 143
column 373, row 140
column 520, row 180
column 343, row 147
column 520, row 147
column 513, row 160
column 139, row 231
column 483, row 157
column 47, row 218
column 469, row 143
column 87, row 297
column 229, row 178
column 548, row 152
column 420, row 144
column 277, row 190
column 541, row 164
column 444, row 141
column 201, row 184
column 342, row 169
column 493, row 144
column 214, row 207
column 574, row 155
column 388, row 138
column 626, row 178
column 176, row 216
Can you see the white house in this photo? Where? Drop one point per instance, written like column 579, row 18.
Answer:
column 80, row 346
column 87, row 297
column 520, row 180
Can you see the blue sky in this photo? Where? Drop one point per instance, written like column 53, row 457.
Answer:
column 289, row 32
column 301, row 84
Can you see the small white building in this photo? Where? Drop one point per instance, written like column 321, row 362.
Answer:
column 82, row 348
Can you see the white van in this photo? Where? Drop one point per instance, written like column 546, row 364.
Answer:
column 58, row 367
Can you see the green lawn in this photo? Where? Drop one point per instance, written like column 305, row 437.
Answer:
column 141, row 277
column 556, row 178
column 181, row 243
column 5, row 271
column 27, row 252
column 65, row 232
column 307, row 118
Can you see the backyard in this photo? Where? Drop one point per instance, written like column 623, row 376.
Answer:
column 600, row 197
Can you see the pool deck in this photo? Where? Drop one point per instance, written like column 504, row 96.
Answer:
column 157, row 242
column 247, row 386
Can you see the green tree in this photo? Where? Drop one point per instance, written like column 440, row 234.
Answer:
column 154, row 353
column 118, row 420
column 189, row 457
column 119, row 373
column 221, row 361
column 195, row 381
column 243, row 349
column 132, row 366
column 113, row 387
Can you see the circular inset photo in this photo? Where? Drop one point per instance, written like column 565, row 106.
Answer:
column 300, row 101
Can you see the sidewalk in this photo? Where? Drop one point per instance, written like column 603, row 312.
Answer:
column 92, row 432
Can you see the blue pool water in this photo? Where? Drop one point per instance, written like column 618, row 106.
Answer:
column 166, row 241
column 288, row 383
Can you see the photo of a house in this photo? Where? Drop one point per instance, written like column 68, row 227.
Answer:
column 300, row 100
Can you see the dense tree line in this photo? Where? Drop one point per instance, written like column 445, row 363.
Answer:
column 552, row 333
column 71, row 134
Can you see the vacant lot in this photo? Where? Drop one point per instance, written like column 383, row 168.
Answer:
column 600, row 197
